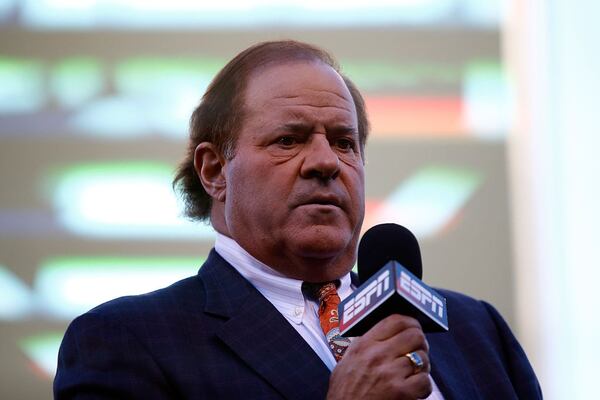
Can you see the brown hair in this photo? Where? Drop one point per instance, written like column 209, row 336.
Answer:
column 219, row 116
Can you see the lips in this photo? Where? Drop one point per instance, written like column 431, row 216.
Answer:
column 328, row 200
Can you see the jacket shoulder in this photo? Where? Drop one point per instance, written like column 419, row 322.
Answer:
column 186, row 295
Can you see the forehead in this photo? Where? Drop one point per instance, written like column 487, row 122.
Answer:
column 299, row 87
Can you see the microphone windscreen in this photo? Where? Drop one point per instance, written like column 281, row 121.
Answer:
column 386, row 242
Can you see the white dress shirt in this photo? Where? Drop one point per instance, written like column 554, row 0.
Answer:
column 286, row 296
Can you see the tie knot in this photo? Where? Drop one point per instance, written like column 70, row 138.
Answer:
column 321, row 290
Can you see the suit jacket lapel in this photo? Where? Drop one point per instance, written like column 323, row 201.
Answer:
column 260, row 335
column 449, row 369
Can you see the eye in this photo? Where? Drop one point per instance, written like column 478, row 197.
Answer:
column 287, row 141
column 345, row 144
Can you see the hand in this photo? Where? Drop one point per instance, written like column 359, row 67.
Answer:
column 375, row 365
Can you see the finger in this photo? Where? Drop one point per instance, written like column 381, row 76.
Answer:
column 408, row 340
column 391, row 326
column 420, row 385
column 405, row 368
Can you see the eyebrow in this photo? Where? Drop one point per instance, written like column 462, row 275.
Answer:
column 305, row 128
column 343, row 130
column 297, row 127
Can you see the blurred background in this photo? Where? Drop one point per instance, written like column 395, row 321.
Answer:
column 483, row 142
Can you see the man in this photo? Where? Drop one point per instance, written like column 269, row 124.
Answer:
column 276, row 162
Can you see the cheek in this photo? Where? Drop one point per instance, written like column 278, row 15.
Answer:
column 358, row 194
column 238, row 191
column 251, row 195
column 358, row 183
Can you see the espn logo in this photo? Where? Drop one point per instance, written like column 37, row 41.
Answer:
column 375, row 291
column 393, row 289
column 414, row 289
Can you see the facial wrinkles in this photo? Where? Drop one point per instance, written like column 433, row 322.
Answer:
column 316, row 99
column 304, row 124
column 323, row 115
column 352, row 158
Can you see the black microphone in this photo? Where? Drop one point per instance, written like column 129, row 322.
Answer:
column 386, row 242
column 390, row 267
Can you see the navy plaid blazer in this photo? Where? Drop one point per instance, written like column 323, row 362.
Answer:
column 214, row 336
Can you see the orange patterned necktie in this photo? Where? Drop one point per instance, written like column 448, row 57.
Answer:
column 326, row 294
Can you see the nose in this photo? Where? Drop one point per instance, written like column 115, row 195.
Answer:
column 320, row 160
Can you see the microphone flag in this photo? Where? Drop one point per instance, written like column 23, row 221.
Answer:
column 392, row 290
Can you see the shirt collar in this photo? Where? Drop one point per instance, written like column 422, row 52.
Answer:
column 283, row 292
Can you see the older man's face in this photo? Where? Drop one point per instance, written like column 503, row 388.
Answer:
column 295, row 187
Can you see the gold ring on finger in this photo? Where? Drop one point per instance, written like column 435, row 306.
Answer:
column 416, row 361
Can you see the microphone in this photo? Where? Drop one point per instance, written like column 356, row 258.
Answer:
column 390, row 267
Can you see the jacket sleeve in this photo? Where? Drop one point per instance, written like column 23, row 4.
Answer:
column 521, row 373
column 100, row 358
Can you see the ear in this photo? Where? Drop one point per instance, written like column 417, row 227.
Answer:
column 209, row 163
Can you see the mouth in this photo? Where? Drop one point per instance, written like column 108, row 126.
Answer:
column 323, row 201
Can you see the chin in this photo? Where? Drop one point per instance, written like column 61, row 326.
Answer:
column 325, row 242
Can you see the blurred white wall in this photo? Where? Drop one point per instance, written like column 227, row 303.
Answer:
column 552, row 54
